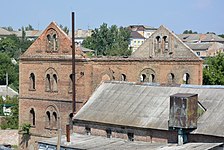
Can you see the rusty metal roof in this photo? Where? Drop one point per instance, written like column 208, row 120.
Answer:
column 147, row 106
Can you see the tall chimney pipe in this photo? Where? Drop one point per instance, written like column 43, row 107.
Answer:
column 73, row 65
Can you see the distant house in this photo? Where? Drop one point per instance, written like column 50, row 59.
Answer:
column 200, row 38
column 138, row 35
column 136, row 40
column 204, row 45
column 81, row 35
column 31, row 35
column 4, row 33
column 7, row 91
column 204, row 50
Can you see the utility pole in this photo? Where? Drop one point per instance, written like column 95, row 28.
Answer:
column 7, row 83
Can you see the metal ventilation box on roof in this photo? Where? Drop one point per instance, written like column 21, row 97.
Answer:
column 183, row 111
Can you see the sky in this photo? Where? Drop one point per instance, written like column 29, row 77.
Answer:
column 178, row 15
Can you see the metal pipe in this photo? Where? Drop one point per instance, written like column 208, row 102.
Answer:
column 68, row 133
column 73, row 64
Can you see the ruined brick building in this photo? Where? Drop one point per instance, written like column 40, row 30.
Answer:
column 45, row 76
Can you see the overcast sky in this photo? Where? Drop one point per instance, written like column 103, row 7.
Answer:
column 178, row 15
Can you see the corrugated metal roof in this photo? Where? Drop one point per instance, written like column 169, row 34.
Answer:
column 89, row 142
column 146, row 106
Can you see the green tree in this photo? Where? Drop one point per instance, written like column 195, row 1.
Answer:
column 189, row 32
column 6, row 66
column 64, row 28
column 29, row 28
column 221, row 35
column 9, row 28
column 109, row 41
column 11, row 121
column 213, row 73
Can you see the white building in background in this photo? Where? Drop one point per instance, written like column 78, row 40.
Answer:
column 138, row 35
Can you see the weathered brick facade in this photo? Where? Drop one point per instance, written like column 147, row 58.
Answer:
column 45, row 84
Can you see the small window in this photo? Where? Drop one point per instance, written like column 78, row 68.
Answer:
column 55, row 83
column 152, row 78
column 70, row 84
column 143, row 78
column 171, row 78
column 131, row 136
column 32, row 117
column 109, row 133
column 48, row 83
column 88, row 130
column 123, row 77
column 32, row 81
column 186, row 78
column 48, row 119
column 54, row 121
column 198, row 53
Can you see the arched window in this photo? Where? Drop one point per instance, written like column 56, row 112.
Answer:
column 48, row 119
column 32, row 81
column 152, row 78
column 54, row 120
column 123, row 77
column 171, row 78
column 32, row 117
column 158, row 43
column 70, row 83
column 55, row 83
column 143, row 78
column 165, row 43
column 148, row 75
column 51, row 80
column 55, row 42
column 52, row 41
column 186, row 78
column 48, row 83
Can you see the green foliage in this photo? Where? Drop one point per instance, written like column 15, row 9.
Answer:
column 29, row 28
column 109, row 41
column 9, row 28
column 189, row 32
column 213, row 73
column 13, row 46
column 25, row 128
column 6, row 66
column 221, row 35
column 11, row 121
column 64, row 28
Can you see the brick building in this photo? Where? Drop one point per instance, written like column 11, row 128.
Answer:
column 45, row 76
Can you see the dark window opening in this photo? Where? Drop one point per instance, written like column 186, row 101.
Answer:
column 166, row 44
column 109, row 133
column 152, row 78
column 131, row 136
column 32, row 117
column 32, row 81
column 48, row 83
column 123, row 77
column 48, row 119
column 54, row 121
column 70, row 83
column 186, row 78
column 143, row 78
column 171, row 78
column 55, row 83
column 88, row 130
